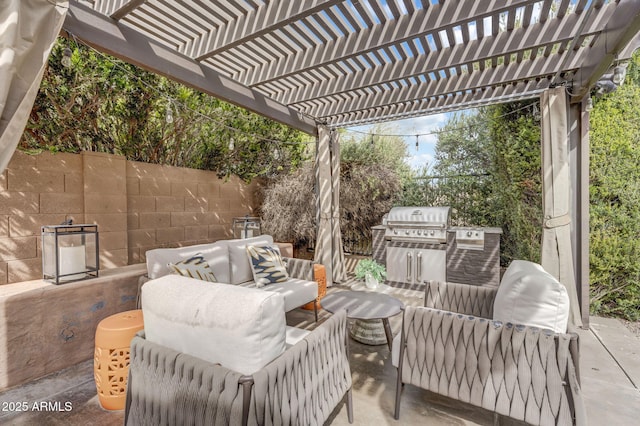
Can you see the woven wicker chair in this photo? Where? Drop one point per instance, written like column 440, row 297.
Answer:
column 300, row 387
column 453, row 348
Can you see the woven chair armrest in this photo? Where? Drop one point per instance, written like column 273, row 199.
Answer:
column 168, row 387
column 460, row 298
column 306, row 382
column 299, row 268
column 522, row 372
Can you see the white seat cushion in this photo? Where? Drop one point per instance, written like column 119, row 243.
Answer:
column 531, row 296
column 243, row 329
column 296, row 292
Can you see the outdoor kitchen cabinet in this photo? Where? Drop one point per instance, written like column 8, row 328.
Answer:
column 416, row 265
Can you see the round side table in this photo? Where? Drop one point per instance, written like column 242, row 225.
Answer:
column 370, row 306
column 111, row 356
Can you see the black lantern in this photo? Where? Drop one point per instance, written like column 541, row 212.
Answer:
column 69, row 253
column 246, row 227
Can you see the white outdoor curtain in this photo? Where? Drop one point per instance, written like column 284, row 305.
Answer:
column 328, row 247
column 557, row 254
column 337, row 258
column 28, row 31
column 323, row 246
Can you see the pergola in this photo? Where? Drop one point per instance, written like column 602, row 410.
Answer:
column 317, row 65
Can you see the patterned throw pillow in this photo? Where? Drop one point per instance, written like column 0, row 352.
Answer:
column 194, row 267
column 267, row 265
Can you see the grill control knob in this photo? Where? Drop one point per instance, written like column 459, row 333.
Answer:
column 395, row 231
column 406, row 232
column 432, row 233
column 419, row 232
column 469, row 233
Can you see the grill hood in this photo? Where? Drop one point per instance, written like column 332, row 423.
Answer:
column 432, row 217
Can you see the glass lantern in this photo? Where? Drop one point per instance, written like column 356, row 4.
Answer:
column 69, row 253
column 246, row 227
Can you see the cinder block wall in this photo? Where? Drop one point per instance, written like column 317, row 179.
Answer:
column 171, row 206
column 137, row 207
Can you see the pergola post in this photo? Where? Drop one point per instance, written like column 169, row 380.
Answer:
column 579, row 162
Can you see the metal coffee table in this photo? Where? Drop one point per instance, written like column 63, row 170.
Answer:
column 362, row 305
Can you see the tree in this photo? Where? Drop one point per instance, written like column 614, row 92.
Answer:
column 105, row 105
column 370, row 182
column 614, row 192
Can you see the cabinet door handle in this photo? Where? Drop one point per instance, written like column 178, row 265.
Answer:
column 409, row 266
column 419, row 267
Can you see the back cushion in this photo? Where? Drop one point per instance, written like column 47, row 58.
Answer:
column 215, row 254
column 241, row 270
column 241, row 328
column 531, row 296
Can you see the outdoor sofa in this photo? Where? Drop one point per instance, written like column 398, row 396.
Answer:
column 505, row 349
column 219, row 354
column 229, row 263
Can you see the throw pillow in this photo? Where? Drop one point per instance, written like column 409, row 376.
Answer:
column 267, row 265
column 194, row 267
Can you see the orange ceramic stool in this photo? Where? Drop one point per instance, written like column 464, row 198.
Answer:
column 111, row 357
column 320, row 276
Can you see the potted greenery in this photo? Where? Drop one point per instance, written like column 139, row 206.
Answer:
column 371, row 271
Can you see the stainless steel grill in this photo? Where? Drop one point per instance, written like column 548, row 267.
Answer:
column 416, row 240
column 418, row 224
column 416, row 244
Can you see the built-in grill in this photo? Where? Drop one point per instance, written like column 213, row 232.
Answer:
column 416, row 244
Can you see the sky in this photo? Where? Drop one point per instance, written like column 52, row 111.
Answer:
column 413, row 126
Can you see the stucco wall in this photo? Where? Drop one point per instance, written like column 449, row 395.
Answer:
column 137, row 207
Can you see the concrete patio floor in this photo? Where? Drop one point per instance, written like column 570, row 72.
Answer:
column 610, row 372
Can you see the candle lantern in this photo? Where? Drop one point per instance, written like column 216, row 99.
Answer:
column 246, row 227
column 69, row 253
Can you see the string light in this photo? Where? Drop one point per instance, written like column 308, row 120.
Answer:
column 168, row 117
column 536, row 112
column 66, row 57
column 437, row 132
column 417, row 143
column 372, row 145
column 231, row 144
column 589, row 105
column 619, row 74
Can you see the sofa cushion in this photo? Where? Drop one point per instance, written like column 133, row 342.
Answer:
column 267, row 265
column 215, row 254
column 243, row 329
column 296, row 292
column 194, row 267
column 531, row 296
column 240, row 268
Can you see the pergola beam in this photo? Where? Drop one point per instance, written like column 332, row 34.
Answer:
column 506, row 43
column 432, row 20
column 537, row 69
column 255, row 23
column 109, row 36
column 622, row 27
column 440, row 104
